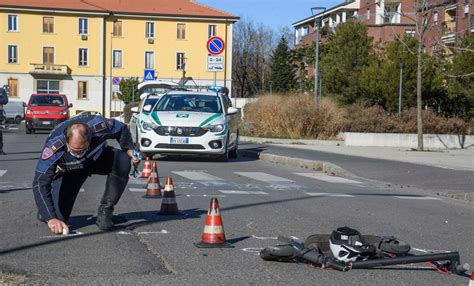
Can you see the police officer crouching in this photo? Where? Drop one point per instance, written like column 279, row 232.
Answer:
column 76, row 149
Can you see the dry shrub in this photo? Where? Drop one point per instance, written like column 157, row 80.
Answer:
column 292, row 116
column 375, row 119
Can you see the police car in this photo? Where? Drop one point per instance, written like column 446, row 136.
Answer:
column 139, row 114
column 191, row 122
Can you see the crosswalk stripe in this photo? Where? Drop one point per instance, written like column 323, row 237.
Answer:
column 417, row 198
column 329, row 195
column 327, row 178
column 135, row 190
column 264, row 177
column 3, row 172
column 233, row 192
column 197, row 176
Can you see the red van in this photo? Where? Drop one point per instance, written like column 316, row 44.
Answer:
column 45, row 111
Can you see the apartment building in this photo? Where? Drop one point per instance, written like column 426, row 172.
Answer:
column 450, row 21
column 76, row 47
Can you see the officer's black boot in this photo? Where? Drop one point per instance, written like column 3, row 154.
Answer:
column 113, row 191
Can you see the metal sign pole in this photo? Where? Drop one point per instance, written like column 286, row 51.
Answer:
column 215, row 78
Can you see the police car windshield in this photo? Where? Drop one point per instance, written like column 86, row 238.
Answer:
column 46, row 100
column 189, row 102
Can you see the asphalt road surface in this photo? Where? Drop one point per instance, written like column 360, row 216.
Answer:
column 258, row 202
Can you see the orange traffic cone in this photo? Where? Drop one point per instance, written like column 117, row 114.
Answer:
column 146, row 172
column 169, row 206
column 213, row 235
column 153, row 188
column 471, row 281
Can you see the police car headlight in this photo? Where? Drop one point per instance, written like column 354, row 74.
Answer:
column 215, row 128
column 149, row 126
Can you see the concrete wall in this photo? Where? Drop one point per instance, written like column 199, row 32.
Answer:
column 430, row 141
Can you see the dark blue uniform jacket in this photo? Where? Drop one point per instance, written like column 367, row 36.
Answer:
column 56, row 161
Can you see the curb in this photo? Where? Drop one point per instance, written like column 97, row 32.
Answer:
column 291, row 141
column 319, row 166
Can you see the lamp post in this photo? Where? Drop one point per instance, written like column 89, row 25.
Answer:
column 317, row 22
column 400, row 87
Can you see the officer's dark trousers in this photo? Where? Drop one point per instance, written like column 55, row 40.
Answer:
column 66, row 188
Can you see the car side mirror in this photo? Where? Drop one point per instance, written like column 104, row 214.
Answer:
column 147, row 108
column 134, row 109
column 70, row 105
column 232, row 110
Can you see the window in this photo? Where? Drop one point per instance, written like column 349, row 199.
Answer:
column 48, row 55
column 435, row 17
column 181, row 33
column 83, row 26
column 150, row 30
column 83, row 57
column 12, row 87
column 12, row 23
column 117, row 29
column 180, row 61
column 472, row 23
column 48, row 25
column 117, row 62
column 12, row 54
column 305, row 31
column 149, row 60
column 47, row 86
column 368, row 13
column 211, row 31
column 409, row 33
column 466, row 9
column 82, row 90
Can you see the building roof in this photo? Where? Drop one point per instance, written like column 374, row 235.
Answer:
column 171, row 8
column 346, row 5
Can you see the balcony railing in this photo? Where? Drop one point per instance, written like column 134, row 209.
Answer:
column 50, row 69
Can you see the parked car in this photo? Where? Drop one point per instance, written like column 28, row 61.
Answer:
column 15, row 111
column 45, row 111
column 140, row 113
column 189, row 122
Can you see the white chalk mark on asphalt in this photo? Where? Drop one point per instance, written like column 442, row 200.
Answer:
column 253, row 250
column 264, row 238
column 82, row 190
column 3, row 172
column 72, row 233
column 327, row 178
column 264, row 177
column 135, row 190
column 417, row 198
column 206, row 195
column 329, row 195
column 163, row 231
column 124, row 232
column 233, row 192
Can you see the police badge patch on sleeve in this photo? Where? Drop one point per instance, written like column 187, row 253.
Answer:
column 100, row 126
column 47, row 153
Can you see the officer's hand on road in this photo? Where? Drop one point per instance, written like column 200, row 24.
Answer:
column 135, row 160
column 57, row 226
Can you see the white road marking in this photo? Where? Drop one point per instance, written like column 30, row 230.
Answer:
column 137, row 181
column 163, row 231
column 82, row 190
column 264, row 177
column 418, row 198
column 205, row 195
column 135, row 190
column 3, row 172
column 327, row 178
column 329, row 195
column 264, row 238
column 197, row 176
column 73, row 233
column 233, row 192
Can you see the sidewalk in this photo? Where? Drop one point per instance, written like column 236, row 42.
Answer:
column 459, row 159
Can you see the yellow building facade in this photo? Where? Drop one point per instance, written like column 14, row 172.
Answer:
column 78, row 50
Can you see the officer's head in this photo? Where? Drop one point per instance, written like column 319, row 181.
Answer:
column 78, row 139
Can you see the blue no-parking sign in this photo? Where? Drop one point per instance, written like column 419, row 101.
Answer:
column 215, row 45
column 149, row 75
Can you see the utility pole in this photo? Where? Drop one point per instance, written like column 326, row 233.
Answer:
column 400, row 91
column 317, row 22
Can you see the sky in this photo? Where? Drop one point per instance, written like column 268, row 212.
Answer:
column 273, row 13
